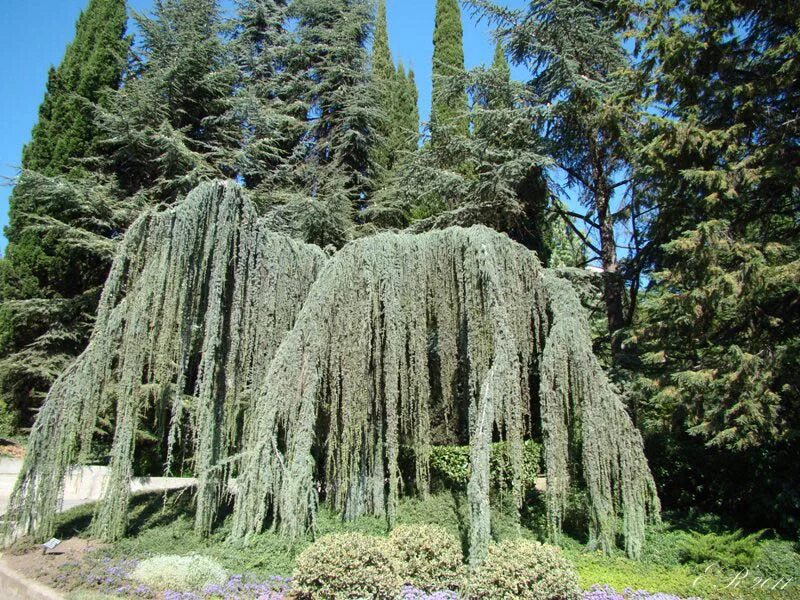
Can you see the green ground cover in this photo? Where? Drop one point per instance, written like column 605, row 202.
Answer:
column 699, row 558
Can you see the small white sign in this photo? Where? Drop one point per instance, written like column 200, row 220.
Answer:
column 50, row 544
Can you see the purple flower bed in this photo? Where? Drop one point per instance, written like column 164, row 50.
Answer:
column 597, row 592
column 113, row 576
column 605, row 592
column 236, row 588
column 409, row 592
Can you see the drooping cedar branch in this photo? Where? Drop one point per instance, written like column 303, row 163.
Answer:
column 481, row 310
column 197, row 301
column 202, row 313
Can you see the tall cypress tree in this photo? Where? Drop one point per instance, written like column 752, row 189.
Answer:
column 408, row 113
column 92, row 63
column 447, row 109
column 397, row 97
column 387, row 89
column 58, row 230
column 382, row 64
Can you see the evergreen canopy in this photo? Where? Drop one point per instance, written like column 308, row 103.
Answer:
column 59, row 229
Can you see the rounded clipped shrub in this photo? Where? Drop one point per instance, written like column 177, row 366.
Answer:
column 348, row 565
column 523, row 570
column 430, row 556
column 193, row 572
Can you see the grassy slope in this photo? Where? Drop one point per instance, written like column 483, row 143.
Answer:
column 162, row 525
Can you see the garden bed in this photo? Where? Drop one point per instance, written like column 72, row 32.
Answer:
column 162, row 526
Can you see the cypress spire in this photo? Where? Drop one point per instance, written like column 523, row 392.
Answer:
column 408, row 111
column 92, row 63
column 500, row 62
column 382, row 64
column 387, row 90
column 448, row 61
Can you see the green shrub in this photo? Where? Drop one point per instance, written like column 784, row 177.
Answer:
column 731, row 550
column 779, row 558
column 524, row 570
column 348, row 565
column 451, row 464
column 597, row 568
column 430, row 557
column 191, row 572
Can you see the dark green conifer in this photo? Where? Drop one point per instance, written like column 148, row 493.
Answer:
column 408, row 114
column 448, row 109
column 168, row 128
column 397, row 95
column 329, row 63
column 387, row 89
column 58, row 231
column 270, row 116
column 93, row 62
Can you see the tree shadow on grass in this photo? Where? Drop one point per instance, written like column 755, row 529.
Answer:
column 147, row 510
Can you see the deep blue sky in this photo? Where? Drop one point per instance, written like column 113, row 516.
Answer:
column 36, row 32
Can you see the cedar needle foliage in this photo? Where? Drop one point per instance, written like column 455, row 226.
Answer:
column 318, row 379
column 181, row 335
column 352, row 383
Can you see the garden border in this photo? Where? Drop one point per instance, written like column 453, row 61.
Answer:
column 16, row 586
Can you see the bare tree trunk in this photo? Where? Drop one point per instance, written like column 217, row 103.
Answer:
column 613, row 289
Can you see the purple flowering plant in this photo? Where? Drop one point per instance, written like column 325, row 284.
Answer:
column 605, row 592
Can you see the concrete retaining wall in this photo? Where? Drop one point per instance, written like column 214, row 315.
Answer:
column 15, row 586
column 85, row 484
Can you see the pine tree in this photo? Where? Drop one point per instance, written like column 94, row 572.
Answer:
column 582, row 78
column 58, row 231
column 725, row 185
column 719, row 331
column 448, row 110
column 329, row 62
column 168, row 128
column 270, row 117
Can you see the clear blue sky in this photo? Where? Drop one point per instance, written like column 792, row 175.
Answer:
column 36, row 32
